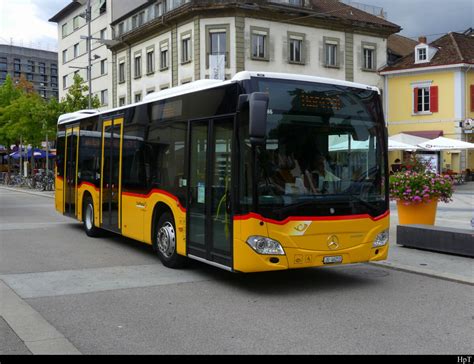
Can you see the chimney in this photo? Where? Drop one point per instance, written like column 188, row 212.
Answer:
column 422, row 39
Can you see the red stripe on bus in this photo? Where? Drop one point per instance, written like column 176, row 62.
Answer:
column 253, row 215
column 88, row 184
column 157, row 191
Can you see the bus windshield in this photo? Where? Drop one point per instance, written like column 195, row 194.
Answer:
column 324, row 152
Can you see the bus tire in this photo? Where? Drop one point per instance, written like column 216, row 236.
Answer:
column 164, row 242
column 88, row 218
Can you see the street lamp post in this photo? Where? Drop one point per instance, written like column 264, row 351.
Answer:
column 87, row 15
column 89, row 50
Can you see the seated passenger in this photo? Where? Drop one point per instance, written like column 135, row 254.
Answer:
column 319, row 179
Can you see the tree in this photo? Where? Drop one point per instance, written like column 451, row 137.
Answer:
column 8, row 92
column 75, row 99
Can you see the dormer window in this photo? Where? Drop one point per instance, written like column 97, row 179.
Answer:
column 424, row 53
column 421, row 55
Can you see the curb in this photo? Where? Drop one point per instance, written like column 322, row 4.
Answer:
column 41, row 194
column 39, row 336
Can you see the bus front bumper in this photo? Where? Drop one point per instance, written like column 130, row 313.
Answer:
column 247, row 260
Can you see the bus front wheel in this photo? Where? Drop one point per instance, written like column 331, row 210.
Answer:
column 164, row 242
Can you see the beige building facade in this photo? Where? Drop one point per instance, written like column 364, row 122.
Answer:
column 166, row 43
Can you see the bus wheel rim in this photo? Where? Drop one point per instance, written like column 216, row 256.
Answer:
column 166, row 240
column 89, row 216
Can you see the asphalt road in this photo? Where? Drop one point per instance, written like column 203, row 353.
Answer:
column 62, row 291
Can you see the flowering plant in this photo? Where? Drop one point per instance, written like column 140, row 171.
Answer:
column 417, row 184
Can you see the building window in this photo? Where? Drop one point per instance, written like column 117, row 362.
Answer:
column 54, row 70
column 296, row 43
column 75, row 22
column 295, row 50
column 218, row 43
column 422, row 56
column 76, row 50
column 122, row 101
column 102, row 7
column 29, row 77
column 3, row 63
column 138, row 66
column 369, row 59
column 42, row 68
column 121, row 72
column 103, row 33
column 64, row 30
column 65, row 56
column 138, row 97
column 31, row 66
column 369, row 56
column 104, row 97
column 150, row 61
column 64, row 82
column 138, row 20
column 186, row 48
column 425, row 99
column 17, row 64
column 159, row 9
column 164, row 55
column 331, row 52
column 121, row 28
column 103, row 67
column 259, row 43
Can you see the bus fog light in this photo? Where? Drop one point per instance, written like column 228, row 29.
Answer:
column 267, row 246
column 381, row 239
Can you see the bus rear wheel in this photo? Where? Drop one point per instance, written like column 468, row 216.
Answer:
column 88, row 218
column 164, row 242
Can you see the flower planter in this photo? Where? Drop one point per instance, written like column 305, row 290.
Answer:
column 423, row 213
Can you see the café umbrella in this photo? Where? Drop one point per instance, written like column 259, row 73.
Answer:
column 442, row 143
column 37, row 153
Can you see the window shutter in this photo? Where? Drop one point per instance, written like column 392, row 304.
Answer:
column 472, row 98
column 415, row 100
column 434, row 98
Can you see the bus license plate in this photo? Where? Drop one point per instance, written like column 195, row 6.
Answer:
column 332, row 260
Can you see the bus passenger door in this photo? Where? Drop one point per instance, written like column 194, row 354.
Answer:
column 111, row 175
column 210, row 193
column 71, row 155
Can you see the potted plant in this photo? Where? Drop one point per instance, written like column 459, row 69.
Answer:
column 417, row 191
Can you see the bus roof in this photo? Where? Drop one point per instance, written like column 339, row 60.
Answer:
column 246, row 75
column 208, row 84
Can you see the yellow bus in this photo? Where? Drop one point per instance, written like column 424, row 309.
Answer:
column 262, row 172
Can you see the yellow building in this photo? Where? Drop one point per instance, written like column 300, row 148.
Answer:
column 430, row 93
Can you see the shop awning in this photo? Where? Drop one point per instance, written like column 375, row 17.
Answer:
column 427, row 134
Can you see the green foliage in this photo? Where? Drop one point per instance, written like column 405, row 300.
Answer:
column 24, row 113
column 77, row 99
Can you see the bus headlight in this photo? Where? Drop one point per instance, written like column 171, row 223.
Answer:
column 263, row 245
column 381, row 239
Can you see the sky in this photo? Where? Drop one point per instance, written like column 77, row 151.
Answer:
column 26, row 21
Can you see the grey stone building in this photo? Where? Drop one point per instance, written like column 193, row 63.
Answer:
column 39, row 67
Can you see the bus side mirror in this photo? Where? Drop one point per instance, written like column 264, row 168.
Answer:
column 258, row 106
